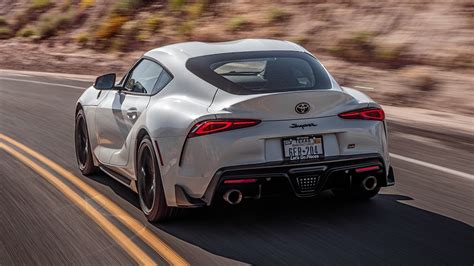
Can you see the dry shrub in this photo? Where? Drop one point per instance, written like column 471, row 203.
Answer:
column 463, row 60
column 3, row 21
column 110, row 27
column 82, row 39
column 5, row 33
column 84, row 4
column 186, row 28
column 237, row 24
column 358, row 48
column 417, row 83
column 362, row 48
column 176, row 5
column 420, row 79
column 125, row 7
column 49, row 25
column 393, row 56
column 301, row 39
column 153, row 23
column 196, row 10
column 40, row 4
column 277, row 15
column 26, row 32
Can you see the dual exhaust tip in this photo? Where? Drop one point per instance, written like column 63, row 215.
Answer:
column 369, row 183
column 233, row 196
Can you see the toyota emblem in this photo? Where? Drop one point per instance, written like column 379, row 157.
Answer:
column 302, row 108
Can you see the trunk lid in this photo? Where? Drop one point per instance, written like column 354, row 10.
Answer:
column 283, row 106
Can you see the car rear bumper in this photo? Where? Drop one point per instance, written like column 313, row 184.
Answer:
column 300, row 179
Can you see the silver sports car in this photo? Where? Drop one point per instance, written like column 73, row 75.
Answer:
column 193, row 123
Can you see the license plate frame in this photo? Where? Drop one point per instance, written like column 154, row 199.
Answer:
column 288, row 142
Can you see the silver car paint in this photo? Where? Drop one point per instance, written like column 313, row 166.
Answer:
column 169, row 115
column 116, row 115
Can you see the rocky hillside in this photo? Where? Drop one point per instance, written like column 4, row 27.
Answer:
column 416, row 53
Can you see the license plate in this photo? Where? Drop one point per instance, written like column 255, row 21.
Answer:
column 303, row 148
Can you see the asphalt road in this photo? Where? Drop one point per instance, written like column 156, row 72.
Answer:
column 426, row 218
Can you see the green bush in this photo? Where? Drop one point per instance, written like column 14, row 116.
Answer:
column 391, row 54
column 176, row 5
column 25, row 32
column 110, row 27
column 82, row 38
column 5, row 33
column 84, row 4
column 66, row 5
column 126, row 6
column 40, row 4
column 276, row 15
column 358, row 47
column 237, row 23
column 3, row 21
column 196, row 9
column 118, row 44
column 186, row 28
column 49, row 25
column 153, row 23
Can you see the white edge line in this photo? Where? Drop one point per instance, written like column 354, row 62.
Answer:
column 433, row 166
column 44, row 83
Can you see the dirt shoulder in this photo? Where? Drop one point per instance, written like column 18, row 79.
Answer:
column 450, row 90
column 416, row 54
column 429, row 120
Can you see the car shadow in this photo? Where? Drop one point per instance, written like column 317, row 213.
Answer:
column 327, row 231
column 320, row 231
column 118, row 188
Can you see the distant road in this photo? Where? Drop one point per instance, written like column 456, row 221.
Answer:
column 52, row 214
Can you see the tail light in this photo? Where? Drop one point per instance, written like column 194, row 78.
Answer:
column 366, row 169
column 214, row 126
column 240, row 181
column 366, row 114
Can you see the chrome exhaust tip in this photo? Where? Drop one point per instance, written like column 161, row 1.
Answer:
column 369, row 183
column 233, row 196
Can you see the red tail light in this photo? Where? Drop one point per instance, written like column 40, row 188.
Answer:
column 214, row 126
column 366, row 169
column 240, row 181
column 366, row 114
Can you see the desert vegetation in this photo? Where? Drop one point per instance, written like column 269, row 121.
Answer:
column 418, row 48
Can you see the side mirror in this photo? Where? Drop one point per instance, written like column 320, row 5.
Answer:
column 105, row 82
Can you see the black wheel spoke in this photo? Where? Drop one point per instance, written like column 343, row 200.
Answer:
column 82, row 144
column 146, row 178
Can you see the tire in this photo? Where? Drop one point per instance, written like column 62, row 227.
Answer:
column 82, row 146
column 150, row 188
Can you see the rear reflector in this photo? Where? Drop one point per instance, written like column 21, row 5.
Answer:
column 368, row 168
column 240, row 181
column 214, row 126
column 365, row 114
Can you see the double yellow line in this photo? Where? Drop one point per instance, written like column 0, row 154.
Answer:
column 131, row 223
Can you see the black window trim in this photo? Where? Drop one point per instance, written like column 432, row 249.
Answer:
column 195, row 66
column 125, row 78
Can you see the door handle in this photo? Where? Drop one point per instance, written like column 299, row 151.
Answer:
column 132, row 113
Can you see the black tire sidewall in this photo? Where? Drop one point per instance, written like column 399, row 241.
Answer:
column 160, row 210
column 89, row 167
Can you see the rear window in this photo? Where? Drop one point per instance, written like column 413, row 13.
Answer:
column 261, row 72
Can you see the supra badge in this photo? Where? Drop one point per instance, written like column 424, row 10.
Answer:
column 302, row 108
column 302, row 126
